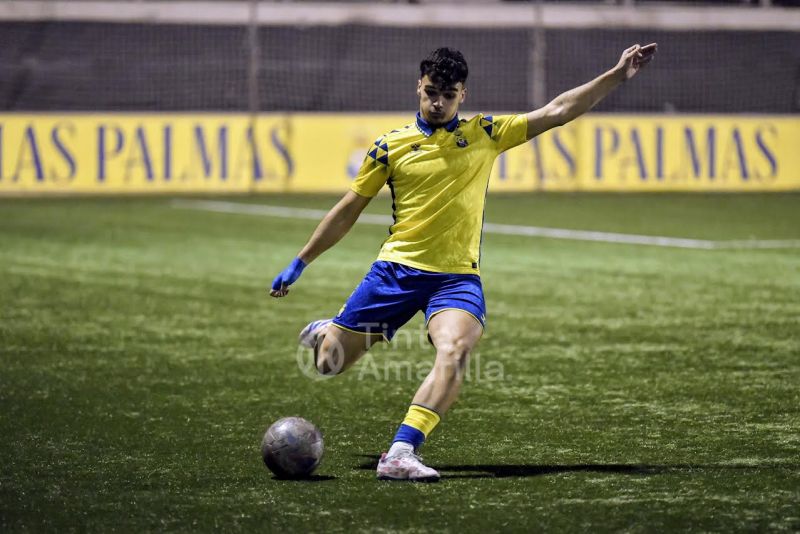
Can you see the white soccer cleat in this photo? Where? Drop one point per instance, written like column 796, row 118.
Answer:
column 308, row 336
column 405, row 466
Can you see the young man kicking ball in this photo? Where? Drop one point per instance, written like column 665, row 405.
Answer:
column 437, row 169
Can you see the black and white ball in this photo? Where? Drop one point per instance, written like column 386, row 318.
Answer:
column 292, row 447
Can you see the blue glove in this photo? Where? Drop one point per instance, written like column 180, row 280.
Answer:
column 289, row 275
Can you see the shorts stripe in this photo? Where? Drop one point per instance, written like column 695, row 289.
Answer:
column 340, row 327
column 483, row 327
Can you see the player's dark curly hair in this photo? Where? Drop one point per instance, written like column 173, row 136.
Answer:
column 445, row 67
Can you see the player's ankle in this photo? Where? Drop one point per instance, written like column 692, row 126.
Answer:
column 399, row 447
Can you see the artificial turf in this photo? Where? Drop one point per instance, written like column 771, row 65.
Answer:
column 618, row 387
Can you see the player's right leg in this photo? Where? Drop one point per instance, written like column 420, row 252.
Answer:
column 376, row 309
column 338, row 349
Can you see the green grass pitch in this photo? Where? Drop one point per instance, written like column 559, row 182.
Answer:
column 622, row 387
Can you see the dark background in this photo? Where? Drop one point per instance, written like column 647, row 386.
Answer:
column 64, row 66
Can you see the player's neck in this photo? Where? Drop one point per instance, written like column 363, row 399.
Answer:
column 429, row 126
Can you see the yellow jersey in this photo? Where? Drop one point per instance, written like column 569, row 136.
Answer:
column 438, row 180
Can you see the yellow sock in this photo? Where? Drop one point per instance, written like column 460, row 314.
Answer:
column 419, row 422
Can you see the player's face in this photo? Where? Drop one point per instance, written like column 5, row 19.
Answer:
column 437, row 104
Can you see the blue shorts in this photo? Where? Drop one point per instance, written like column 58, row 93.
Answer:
column 392, row 293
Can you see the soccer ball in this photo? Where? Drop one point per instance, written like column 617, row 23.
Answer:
column 292, row 447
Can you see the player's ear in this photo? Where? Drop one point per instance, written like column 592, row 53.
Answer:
column 463, row 95
column 419, row 88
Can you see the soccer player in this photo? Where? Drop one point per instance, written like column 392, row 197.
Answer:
column 437, row 169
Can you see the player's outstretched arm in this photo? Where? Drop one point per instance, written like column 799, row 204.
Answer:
column 330, row 230
column 575, row 102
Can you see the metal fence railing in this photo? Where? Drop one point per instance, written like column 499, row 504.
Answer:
column 265, row 57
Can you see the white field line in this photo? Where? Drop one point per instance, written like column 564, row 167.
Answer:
column 492, row 228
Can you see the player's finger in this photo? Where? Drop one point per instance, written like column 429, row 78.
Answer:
column 645, row 61
column 279, row 291
column 276, row 284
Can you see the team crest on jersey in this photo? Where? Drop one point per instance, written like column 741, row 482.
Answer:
column 461, row 142
column 415, row 147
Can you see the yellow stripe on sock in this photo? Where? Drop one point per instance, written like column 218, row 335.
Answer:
column 422, row 419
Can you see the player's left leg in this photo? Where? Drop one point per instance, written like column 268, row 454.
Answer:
column 455, row 314
column 454, row 331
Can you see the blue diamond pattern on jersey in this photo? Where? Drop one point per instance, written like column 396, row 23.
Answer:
column 380, row 152
column 488, row 125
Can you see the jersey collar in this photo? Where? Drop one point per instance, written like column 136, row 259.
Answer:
column 428, row 130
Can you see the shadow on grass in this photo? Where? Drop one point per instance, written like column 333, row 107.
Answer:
column 502, row 471
column 312, row 478
column 513, row 470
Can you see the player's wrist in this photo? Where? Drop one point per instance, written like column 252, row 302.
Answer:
column 298, row 264
column 617, row 74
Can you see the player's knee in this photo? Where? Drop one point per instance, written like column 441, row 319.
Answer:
column 326, row 362
column 453, row 354
column 330, row 357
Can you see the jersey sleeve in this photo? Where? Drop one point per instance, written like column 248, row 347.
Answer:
column 507, row 131
column 374, row 171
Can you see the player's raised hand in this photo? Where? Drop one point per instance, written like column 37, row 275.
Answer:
column 280, row 286
column 635, row 58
